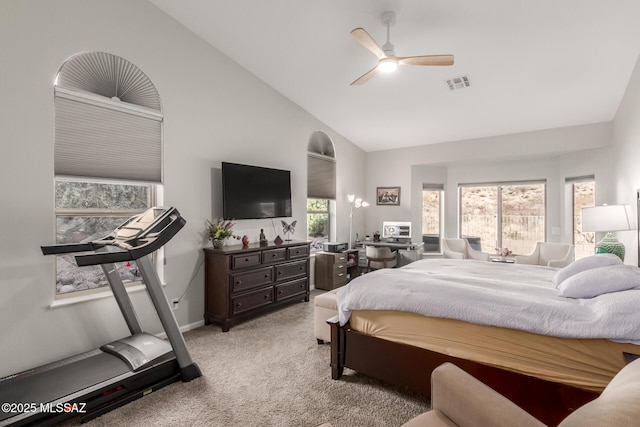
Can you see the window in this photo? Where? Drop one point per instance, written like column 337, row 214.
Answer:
column 107, row 157
column 318, row 222
column 321, row 188
column 508, row 215
column 583, row 196
column 89, row 210
column 431, row 216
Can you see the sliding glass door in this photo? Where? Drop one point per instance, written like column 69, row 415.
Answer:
column 506, row 215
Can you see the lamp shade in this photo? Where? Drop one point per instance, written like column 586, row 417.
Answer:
column 607, row 218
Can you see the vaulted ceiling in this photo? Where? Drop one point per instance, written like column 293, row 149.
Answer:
column 532, row 64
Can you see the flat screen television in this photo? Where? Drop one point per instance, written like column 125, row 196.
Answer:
column 254, row 192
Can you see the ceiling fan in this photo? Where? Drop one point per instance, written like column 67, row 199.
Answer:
column 387, row 59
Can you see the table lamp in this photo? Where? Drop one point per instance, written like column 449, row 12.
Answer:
column 608, row 218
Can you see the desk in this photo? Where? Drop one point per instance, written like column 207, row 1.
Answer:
column 407, row 252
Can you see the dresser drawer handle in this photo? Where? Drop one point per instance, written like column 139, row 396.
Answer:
column 266, row 276
column 239, row 282
column 341, row 266
column 273, row 255
column 246, row 260
column 266, row 296
column 340, row 274
column 239, row 305
column 280, row 292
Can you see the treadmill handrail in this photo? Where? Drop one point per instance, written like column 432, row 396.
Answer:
column 66, row 248
column 132, row 246
column 147, row 241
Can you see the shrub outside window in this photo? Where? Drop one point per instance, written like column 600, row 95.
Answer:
column 87, row 211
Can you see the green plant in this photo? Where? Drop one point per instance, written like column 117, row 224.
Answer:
column 220, row 230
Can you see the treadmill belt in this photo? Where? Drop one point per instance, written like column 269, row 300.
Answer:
column 52, row 383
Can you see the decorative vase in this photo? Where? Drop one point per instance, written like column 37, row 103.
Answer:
column 610, row 245
column 245, row 240
column 218, row 243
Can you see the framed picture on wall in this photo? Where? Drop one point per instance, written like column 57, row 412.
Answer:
column 389, row 196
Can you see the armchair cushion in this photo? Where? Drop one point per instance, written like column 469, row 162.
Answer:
column 461, row 249
column 459, row 399
column 549, row 254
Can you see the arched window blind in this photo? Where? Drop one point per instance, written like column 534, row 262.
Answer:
column 321, row 164
column 108, row 120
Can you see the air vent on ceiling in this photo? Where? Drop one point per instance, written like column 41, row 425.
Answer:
column 458, row 82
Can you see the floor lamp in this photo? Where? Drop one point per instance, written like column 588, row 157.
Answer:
column 608, row 218
column 355, row 204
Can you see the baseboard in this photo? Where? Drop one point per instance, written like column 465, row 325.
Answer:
column 184, row 328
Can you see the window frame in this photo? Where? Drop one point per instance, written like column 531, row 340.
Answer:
column 499, row 213
column 571, row 183
column 102, row 291
column 439, row 188
column 326, row 212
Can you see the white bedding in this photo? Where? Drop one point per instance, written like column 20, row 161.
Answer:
column 513, row 296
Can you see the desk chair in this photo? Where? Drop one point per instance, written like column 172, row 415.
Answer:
column 380, row 257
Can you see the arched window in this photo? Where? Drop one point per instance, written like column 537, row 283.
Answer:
column 107, row 156
column 321, row 188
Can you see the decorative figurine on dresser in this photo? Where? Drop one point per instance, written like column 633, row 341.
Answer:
column 243, row 282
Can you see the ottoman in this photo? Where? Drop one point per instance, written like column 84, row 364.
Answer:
column 324, row 308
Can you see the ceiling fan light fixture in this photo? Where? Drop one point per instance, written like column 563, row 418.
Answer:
column 388, row 65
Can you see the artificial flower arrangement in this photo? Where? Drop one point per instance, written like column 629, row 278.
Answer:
column 219, row 231
column 503, row 251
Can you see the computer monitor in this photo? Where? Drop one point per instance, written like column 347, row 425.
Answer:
column 396, row 230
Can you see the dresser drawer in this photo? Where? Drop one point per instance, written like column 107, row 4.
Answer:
column 252, row 300
column 291, row 270
column 339, row 274
column 251, row 279
column 246, row 260
column 298, row 252
column 273, row 255
column 290, row 289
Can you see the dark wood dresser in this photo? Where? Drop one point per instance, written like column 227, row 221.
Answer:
column 244, row 282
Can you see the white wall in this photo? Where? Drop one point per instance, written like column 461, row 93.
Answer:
column 551, row 155
column 626, row 137
column 214, row 111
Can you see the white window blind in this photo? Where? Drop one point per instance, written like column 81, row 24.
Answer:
column 107, row 120
column 321, row 177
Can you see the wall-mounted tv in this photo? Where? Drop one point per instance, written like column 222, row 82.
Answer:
column 253, row 192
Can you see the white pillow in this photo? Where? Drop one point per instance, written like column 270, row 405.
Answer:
column 597, row 281
column 583, row 264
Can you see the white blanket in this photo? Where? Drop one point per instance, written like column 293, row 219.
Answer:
column 512, row 296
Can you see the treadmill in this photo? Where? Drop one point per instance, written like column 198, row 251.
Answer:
column 93, row 383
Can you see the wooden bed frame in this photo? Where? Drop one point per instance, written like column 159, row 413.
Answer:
column 411, row 367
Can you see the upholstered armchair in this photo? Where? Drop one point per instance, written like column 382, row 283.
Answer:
column 459, row 399
column 460, row 249
column 380, row 257
column 549, row 254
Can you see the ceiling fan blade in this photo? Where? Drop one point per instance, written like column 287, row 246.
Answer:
column 365, row 77
column 426, row 60
column 367, row 41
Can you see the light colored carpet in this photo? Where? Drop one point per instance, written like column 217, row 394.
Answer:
column 269, row 371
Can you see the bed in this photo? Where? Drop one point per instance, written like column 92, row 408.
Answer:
column 509, row 325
